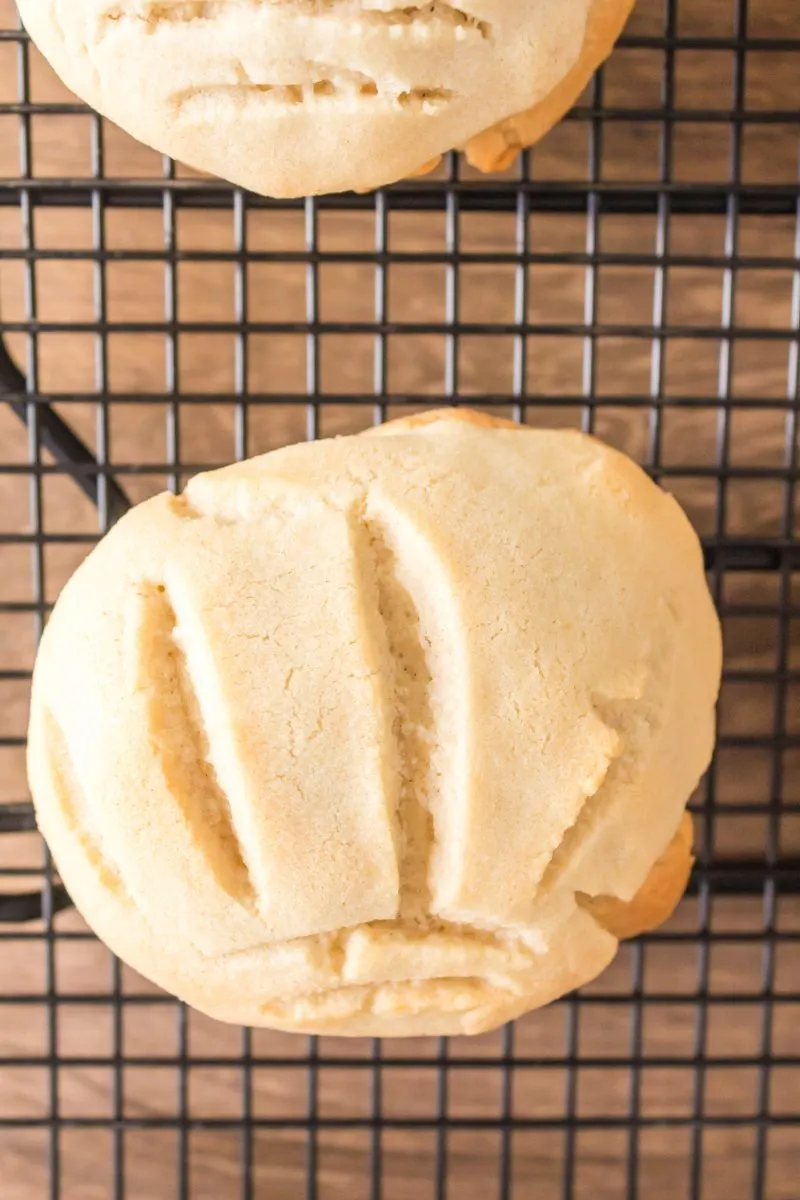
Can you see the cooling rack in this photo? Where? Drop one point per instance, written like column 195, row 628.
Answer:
column 637, row 275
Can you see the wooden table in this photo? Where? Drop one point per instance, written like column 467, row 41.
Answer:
column 276, row 365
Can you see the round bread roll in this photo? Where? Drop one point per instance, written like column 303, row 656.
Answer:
column 382, row 735
column 297, row 97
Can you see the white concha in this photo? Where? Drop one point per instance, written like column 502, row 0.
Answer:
column 366, row 735
column 294, row 97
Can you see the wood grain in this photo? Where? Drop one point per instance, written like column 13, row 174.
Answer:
column 276, row 367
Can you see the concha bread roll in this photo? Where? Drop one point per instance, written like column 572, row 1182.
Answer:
column 296, row 97
column 389, row 734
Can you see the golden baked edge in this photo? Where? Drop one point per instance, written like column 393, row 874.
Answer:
column 495, row 149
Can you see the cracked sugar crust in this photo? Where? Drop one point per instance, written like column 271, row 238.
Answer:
column 295, row 97
column 384, row 734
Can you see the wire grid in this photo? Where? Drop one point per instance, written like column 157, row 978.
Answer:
column 683, row 1061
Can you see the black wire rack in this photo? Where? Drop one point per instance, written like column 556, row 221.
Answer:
column 638, row 274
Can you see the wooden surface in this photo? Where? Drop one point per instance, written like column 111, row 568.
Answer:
column 276, row 365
